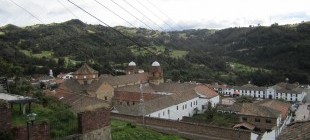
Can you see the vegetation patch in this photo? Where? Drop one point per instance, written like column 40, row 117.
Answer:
column 126, row 131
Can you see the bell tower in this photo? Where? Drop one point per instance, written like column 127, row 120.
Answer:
column 132, row 68
column 85, row 75
column 156, row 75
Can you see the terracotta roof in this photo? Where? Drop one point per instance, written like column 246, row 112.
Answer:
column 246, row 125
column 252, row 109
column 288, row 88
column 296, row 131
column 236, row 107
column 73, row 86
column 136, row 88
column 180, row 94
column 80, row 103
column 250, row 87
column 85, row 69
column 205, row 91
column 280, row 106
column 124, row 79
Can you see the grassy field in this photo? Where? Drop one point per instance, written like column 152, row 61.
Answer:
column 126, row 131
column 237, row 67
column 158, row 50
column 47, row 54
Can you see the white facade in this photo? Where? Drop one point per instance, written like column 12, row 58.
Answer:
column 67, row 76
column 267, row 93
column 176, row 112
column 188, row 108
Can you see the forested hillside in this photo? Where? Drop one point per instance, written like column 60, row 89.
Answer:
column 263, row 55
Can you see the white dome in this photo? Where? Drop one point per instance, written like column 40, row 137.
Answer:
column 155, row 64
column 132, row 63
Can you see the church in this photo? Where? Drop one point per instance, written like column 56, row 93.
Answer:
column 127, row 93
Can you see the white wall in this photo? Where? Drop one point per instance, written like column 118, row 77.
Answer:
column 176, row 112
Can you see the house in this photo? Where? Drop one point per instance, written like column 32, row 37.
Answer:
column 86, row 81
column 173, row 101
column 286, row 91
column 65, row 76
column 265, row 115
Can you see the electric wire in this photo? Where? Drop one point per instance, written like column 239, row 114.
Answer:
column 158, row 9
column 143, row 14
column 133, row 41
column 27, row 11
column 67, row 9
column 113, row 12
column 148, row 9
column 129, row 13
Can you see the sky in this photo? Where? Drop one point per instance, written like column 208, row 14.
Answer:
column 157, row 14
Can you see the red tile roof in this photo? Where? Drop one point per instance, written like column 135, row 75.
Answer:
column 206, row 91
column 280, row 106
column 296, row 131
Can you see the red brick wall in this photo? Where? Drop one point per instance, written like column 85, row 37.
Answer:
column 191, row 129
column 5, row 118
column 36, row 132
column 93, row 120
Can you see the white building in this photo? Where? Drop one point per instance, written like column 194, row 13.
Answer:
column 65, row 76
column 179, row 100
column 286, row 91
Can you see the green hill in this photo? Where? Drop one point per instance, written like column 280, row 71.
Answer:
column 264, row 55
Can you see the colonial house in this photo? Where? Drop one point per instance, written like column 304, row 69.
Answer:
column 262, row 116
column 286, row 91
column 172, row 101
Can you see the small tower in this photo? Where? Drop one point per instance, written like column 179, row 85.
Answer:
column 156, row 73
column 132, row 68
column 85, row 74
column 51, row 73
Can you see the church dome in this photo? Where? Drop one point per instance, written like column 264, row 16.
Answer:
column 155, row 64
column 132, row 63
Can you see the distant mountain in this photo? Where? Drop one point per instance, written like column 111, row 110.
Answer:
column 264, row 55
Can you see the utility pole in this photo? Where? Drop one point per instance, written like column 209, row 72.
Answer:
column 142, row 102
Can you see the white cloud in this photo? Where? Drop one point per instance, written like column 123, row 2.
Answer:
column 187, row 13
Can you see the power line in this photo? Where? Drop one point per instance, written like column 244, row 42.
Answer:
column 67, row 9
column 136, row 43
column 143, row 14
column 148, row 9
column 163, row 13
column 27, row 11
column 130, row 14
column 113, row 12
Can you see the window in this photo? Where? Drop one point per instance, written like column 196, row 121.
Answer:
column 191, row 104
column 183, row 107
column 105, row 98
column 127, row 103
column 164, row 113
column 158, row 115
column 244, row 119
column 177, row 107
column 168, row 112
column 257, row 120
column 84, row 77
column 133, row 103
column 268, row 121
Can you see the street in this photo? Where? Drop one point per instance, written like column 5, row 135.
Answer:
column 303, row 111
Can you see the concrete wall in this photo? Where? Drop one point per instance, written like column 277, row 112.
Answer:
column 187, row 130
